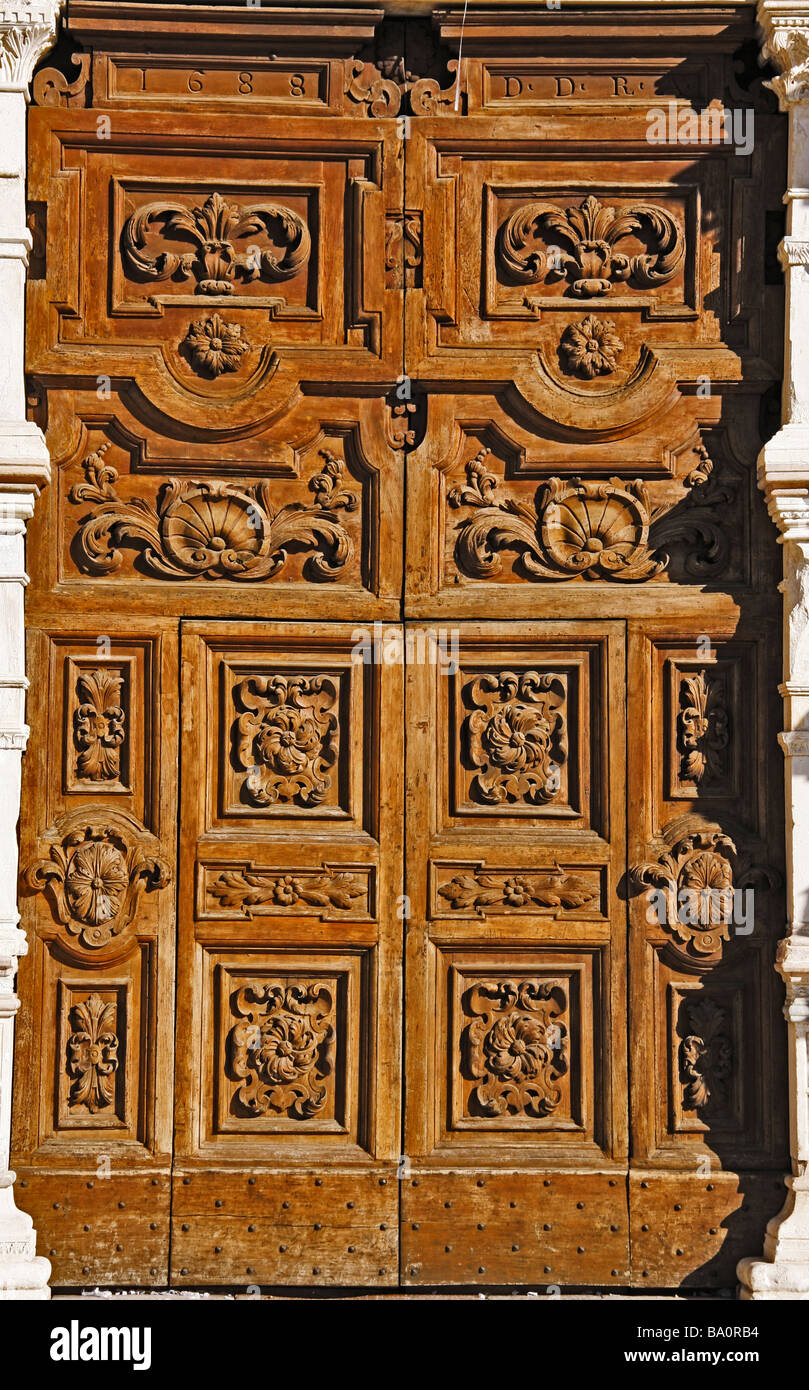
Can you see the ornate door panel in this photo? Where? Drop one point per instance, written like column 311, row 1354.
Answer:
column 289, row 947
column 323, row 337
column 516, row 1078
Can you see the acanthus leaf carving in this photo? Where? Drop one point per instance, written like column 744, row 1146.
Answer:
column 286, row 738
column 214, row 530
column 92, row 1053
column 703, row 726
column 215, row 228
column 516, row 1046
column 706, row 1056
column 551, row 889
column 282, row 1048
column 94, row 873
column 244, row 888
column 591, row 231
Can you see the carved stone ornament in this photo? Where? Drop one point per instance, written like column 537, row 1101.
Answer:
column 516, row 736
column 697, row 871
column 250, row 890
column 95, row 871
column 99, row 725
column 215, row 346
column 516, row 1046
column 26, row 32
column 595, row 530
column 528, row 250
column 287, row 738
column 546, row 889
column 591, row 347
column 215, row 228
column 786, row 46
column 706, row 1056
column 282, row 1048
column 92, row 1054
column 213, row 530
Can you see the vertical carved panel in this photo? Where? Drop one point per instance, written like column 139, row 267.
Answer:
column 98, row 704
column 92, row 1066
column 704, row 729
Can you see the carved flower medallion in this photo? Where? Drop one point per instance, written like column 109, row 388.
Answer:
column 215, row 346
column 516, row 736
column 515, row 1047
column 287, row 738
column 282, row 1048
column 96, row 882
column 591, row 347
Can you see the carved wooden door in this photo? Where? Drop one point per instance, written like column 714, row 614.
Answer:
column 403, row 640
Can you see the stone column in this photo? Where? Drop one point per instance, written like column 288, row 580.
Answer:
column 783, row 470
column 26, row 31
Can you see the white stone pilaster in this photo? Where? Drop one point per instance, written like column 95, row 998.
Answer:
column 26, row 31
column 783, row 470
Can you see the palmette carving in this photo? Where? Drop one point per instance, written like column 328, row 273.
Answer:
column 287, row 738
column 706, row 1056
column 590, row 231
column 94, row 875
column 215, row 228
column 516, row 736
column 516, row 1046
column 214, row 530
column 99, row 725
column 92, row 1054
column 282, row 1049
column 703, row 727
column 593, row 530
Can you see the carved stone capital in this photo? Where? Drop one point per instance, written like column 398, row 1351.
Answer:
column 785, row 26
column 27, row 30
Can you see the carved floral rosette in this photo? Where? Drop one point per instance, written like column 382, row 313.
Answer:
column 287, row 738
column 98, row 864
column 516, row 736
column 282, row 1048
column 516, row 1046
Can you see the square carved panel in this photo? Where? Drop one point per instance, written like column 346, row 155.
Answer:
column 286, row 734
column 513, row 730
column 519, row 1043
column 288, row 1043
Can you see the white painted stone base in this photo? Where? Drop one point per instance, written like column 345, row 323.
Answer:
column 23, row 1273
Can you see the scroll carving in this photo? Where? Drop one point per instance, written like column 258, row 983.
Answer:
column 215, row 228
column 214, row 530
column 52, row 88
column 282, row 1048
column 516, row 1046
column 94, row 874
column 595, row 530
column 589, row 234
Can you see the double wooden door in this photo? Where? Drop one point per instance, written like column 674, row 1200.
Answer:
column 401, row 835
